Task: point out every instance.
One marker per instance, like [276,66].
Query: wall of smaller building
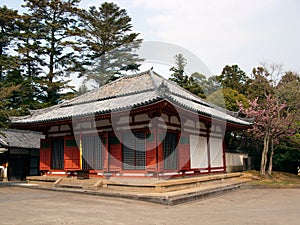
[22,163]
[235,162]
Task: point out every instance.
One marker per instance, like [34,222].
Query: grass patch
[276,180]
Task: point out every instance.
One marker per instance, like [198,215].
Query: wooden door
[71,154]
[45,154]
[115,154]
[184,152]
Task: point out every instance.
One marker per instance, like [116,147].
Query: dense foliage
[106,38]
[269,96]
[53,39]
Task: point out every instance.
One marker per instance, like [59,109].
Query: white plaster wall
[141,118]
[189,123]
[54,128]
[124,120]
[198,152]
[164,117]
[65,127]
[216,152]
[84,125]
[174,120]
[100,123]
[234,161]
[200,125]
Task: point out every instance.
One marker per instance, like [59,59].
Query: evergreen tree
[29,61]
[178,75]
[52,33]
[108,43]
[259,87]
[8,19]
[199,85]
[82,90]
[228,98]
[288,91]
[5,111]
[235,78]
[196,83]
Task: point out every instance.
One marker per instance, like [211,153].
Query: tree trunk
[264,155]
[271,158]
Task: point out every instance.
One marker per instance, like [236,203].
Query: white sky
[219,32]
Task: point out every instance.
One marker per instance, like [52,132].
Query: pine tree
[8,18]
[109,44]
[178,75]
[235,78]
[5,111]
[50,46]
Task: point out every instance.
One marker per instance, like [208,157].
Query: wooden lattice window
[58,153]
[92,150]
[170,152]
[134,157]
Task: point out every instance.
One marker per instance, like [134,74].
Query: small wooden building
[137,126]
[20,150]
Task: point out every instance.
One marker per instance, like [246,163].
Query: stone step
[160,186]
[81,184]
[42,180]
[138,185]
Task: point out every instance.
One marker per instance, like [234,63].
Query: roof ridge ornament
[163,90]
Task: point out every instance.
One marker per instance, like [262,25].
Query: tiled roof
[20,139]
[126,93]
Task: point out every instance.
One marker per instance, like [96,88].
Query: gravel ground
[243,206]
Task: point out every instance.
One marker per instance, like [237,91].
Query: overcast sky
[219,32]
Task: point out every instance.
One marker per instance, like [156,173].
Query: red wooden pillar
[151,151]
[115,154]
[224,154]
[105,155]
[208,126]
[45,155]
[160,150]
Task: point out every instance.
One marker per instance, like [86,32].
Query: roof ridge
[180,104]
[69,102]
[135,75]
[193,100]
[108,97]
[21,139]
[125,77]
[133,90]
[200,101]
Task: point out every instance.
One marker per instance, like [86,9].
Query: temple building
[19,153]
[137,126]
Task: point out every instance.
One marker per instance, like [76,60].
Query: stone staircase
[87,184]
[161,186]
[142,185]
[167,192]
[42,180]
[65,182]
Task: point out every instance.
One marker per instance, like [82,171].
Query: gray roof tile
[20,139]
[125,93]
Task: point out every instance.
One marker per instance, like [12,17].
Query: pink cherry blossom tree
[271,123]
